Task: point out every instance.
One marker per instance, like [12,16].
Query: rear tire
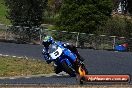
[84,68]
[68,69]
[81,81]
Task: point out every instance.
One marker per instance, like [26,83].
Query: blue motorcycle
[63,58]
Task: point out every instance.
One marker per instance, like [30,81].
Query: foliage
[118,26]
[129,6]
[25,13]
[3,13]
[52,11]
[50,18]
[54,5]
[83,15]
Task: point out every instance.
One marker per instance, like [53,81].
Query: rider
[49,40]
[46,42]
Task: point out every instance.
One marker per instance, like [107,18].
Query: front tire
[57,69]
[68,69]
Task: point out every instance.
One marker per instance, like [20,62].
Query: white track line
[40,75]
[13,56]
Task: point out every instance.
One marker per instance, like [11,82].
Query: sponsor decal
[107,78]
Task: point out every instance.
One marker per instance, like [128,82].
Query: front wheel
[57,69]
[68,69]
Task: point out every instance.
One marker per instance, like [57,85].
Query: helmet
[47,41]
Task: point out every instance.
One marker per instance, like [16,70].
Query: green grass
[10,66]
[3,13]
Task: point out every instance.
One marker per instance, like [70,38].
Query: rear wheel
[68,69]
[81,69]
[85,69]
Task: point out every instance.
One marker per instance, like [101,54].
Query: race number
[56,54]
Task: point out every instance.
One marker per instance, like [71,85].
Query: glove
[48,61]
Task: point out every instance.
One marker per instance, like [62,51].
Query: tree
[83,15]
[129,6]
[52,10]
[118,26]
[25,13]
[54,5]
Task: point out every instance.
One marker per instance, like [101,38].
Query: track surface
[97,62]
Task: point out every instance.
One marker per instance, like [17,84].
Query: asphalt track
[97,62]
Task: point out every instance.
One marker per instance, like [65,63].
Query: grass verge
[10,66]
[3,13]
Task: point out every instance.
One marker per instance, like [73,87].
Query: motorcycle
[61,57]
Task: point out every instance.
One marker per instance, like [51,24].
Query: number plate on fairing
[56,54]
